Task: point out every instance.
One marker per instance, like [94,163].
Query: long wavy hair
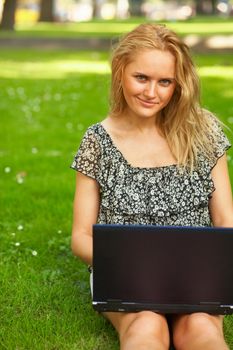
[183,123]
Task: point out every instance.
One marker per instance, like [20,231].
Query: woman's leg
[143,330]
[198,331]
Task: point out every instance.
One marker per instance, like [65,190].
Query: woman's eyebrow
[146,75]
[140,73]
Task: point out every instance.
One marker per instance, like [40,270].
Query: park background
[54,69]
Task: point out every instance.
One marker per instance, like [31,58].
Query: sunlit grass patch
[47,65]
[111,28]
[216,71]
[53,70]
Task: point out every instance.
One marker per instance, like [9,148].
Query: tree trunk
[135,7]
[8,15]
[96,6]
[199,7]
[46,11]
[206,7]
[214,5]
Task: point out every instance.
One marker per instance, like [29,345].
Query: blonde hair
[182,122]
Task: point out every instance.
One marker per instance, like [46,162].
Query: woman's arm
[221,205]
[86,208]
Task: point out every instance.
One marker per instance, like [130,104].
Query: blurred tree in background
[46,11]
[8,15]
[135,7]
[96,8]
[207,6]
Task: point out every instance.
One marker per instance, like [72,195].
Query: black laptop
[164,269]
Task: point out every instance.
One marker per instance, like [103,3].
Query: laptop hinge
[112,301]
[210,303]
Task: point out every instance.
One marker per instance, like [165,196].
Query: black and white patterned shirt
[152,196]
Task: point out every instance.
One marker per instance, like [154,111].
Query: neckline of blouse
[162,167]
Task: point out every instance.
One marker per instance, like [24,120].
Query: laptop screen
[163,265]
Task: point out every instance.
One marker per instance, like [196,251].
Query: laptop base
[114,306]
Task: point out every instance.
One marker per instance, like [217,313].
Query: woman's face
[148,82]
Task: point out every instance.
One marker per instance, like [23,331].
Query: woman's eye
[165,82]
[141,77]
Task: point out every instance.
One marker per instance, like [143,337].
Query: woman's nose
[150,89]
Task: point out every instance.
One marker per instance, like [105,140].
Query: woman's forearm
[82,247]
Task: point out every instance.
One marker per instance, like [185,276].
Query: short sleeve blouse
[156,196]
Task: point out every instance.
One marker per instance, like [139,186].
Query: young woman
[159,159]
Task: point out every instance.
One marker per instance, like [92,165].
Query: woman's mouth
[147,103]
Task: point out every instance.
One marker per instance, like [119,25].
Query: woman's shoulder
[214,127]
[215,132]
[93,131]
[210,117]
[96,134]
[104,129]
[98,126]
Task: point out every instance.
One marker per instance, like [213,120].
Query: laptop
[170,269]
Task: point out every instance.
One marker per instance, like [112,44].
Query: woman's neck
[130,123]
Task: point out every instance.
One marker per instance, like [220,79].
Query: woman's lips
[146,102]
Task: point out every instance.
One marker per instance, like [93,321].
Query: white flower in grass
[59,232]
[17,244]
[34,150]
[7,169]
[34,253]
[20,180]
[20,177]
[20,227]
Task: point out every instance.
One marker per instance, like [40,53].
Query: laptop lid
[164,269]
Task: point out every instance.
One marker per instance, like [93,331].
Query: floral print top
[153,196]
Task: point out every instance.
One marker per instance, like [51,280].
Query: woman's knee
[197,325]
[146,324]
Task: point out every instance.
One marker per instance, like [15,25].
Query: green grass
[103,28]
[47,101]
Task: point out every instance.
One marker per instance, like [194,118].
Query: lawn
[47,101]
